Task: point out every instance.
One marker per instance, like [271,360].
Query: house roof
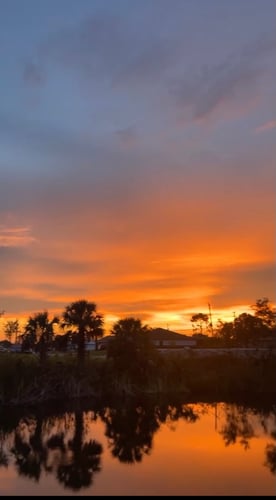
[106,338]
[5,343]
[163,334]
[156,334]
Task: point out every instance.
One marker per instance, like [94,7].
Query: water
[140,448]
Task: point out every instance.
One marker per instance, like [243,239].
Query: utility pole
[210,319]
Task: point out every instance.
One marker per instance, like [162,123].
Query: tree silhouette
[248,329]
[97,331]
[61,342]
[245,330]
[225,332]
[39,333]
[200,319]
[132,351]
[264,311]
[128,328]
[11,328]
[82,319]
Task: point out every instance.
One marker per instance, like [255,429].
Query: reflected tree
[28,449]
[75,463]
[237,426]
[83,459]
[130,431]
[270,461]
[62,447]
[270,451]
[4,460]
[171,413]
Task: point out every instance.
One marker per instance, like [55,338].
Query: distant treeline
[81,322]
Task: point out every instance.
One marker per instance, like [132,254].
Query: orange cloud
[160,253]
[15,236]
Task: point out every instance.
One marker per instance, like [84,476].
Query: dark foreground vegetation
[132,364]
[24,380]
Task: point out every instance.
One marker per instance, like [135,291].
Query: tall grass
[24,380]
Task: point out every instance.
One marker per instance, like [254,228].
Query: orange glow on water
[186,458]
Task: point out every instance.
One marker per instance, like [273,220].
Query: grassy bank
[24,380]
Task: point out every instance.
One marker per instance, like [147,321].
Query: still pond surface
[140,448]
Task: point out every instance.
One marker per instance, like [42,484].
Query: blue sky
[137,159]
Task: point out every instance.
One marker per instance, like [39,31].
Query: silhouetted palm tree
[132,351]
[81,318]
[97,330]
[128,327]
[11,328]
[39,332]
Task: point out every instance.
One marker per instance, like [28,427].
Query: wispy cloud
[266,126]
[126,54]
[106,45]
[232,85]
[15,236]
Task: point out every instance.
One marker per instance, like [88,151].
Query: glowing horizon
[179,321]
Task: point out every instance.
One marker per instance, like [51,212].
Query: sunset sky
[137,157]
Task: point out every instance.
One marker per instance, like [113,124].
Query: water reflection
[79,460]
[62,445]
[270,461]
[237,426]
[130,429]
